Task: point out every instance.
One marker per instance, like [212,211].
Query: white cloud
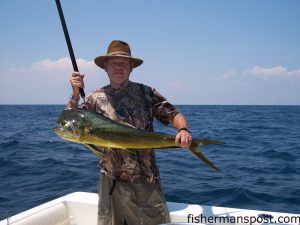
[272,71]
[294,73]
[50,65]
[59,65]
[229,74]
[259,85]
[257,70]
[46,81]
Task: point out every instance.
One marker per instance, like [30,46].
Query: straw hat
[120,49]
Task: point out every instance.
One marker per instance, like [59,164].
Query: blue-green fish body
[91,128]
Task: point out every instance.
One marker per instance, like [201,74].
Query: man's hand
[77,83]
[183,139]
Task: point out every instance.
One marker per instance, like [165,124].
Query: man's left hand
[183,139]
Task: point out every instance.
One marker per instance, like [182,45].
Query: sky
[204,52]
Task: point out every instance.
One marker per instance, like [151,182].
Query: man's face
[118,70]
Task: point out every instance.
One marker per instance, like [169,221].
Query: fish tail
[194,149]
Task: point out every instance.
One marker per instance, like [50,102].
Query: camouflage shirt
[135,105]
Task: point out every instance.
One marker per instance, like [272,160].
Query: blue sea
[260,159]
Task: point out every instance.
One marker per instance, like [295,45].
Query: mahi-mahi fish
[93,129]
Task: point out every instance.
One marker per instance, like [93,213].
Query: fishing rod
[68,40]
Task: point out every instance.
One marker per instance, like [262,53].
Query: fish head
[72,123]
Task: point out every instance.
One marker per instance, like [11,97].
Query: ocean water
[260,159]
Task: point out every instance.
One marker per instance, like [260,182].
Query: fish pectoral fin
[94,149]
[194,149]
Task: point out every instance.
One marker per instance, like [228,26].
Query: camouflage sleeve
[90,102]
[162,109]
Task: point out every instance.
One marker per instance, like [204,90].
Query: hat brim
[100,60]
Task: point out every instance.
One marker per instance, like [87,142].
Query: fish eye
[66,124]
[69,126]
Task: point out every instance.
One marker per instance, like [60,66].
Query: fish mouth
[66,134]
[58,130]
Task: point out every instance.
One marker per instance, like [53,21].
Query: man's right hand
[77,83]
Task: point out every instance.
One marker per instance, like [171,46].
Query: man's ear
[132,64]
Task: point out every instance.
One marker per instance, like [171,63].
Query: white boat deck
[80,208]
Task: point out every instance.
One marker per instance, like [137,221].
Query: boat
[80,208]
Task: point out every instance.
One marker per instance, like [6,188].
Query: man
[130,190]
